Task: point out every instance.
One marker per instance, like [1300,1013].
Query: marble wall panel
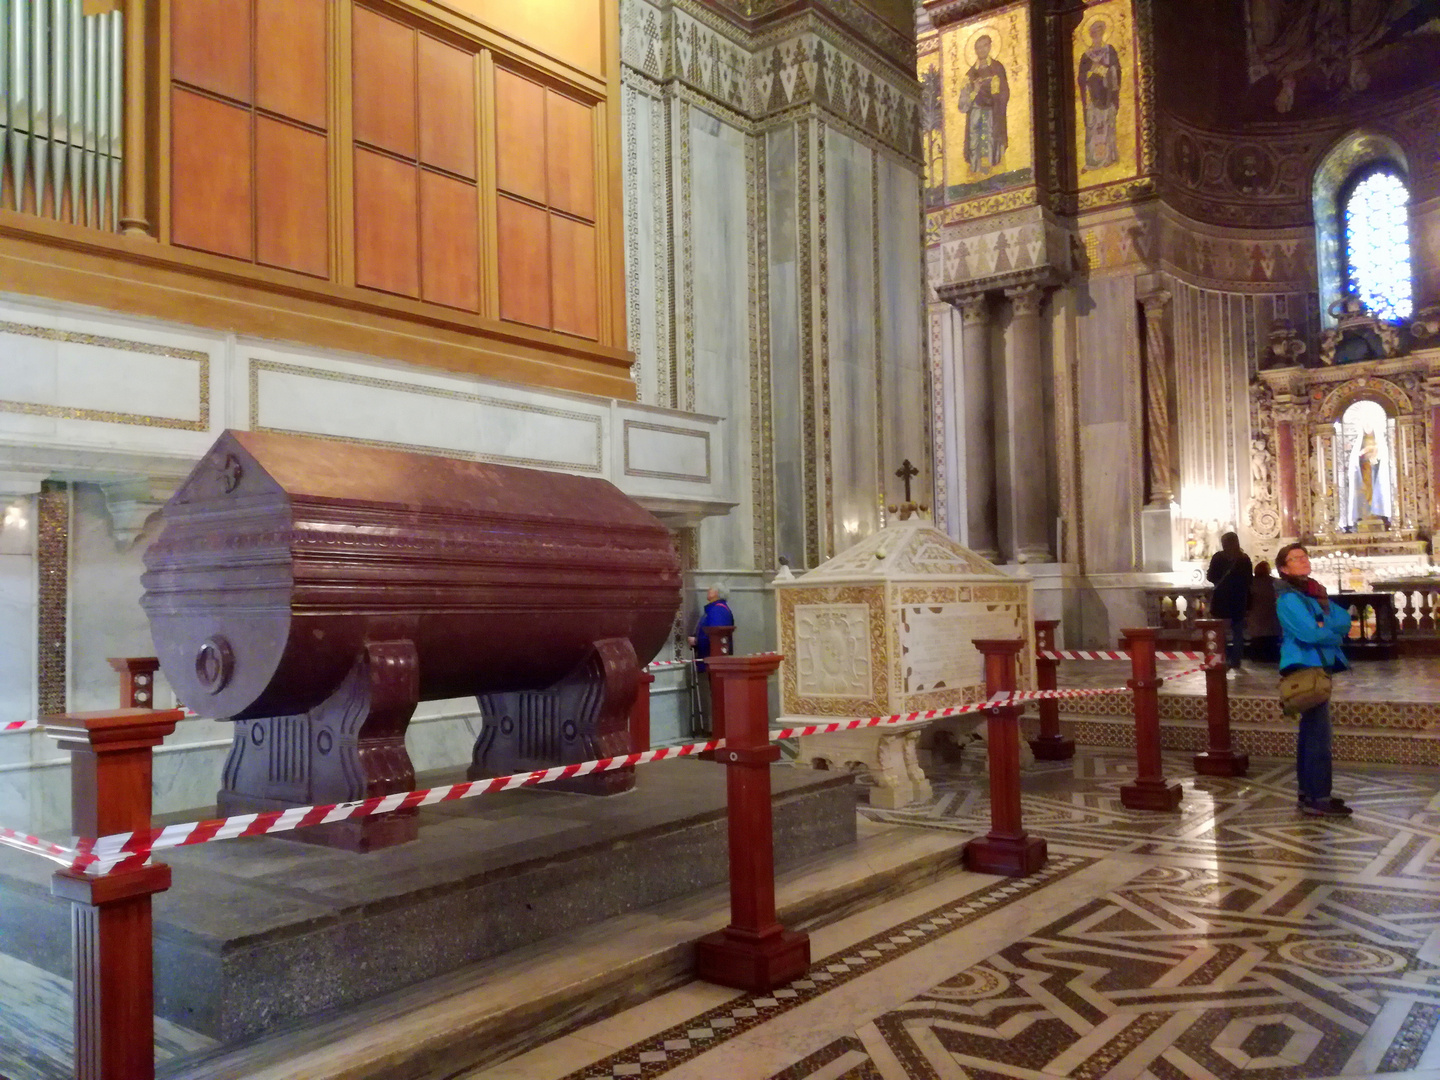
[903,362]
[644,270]
[786,369]
[105,615]
[1111,456]
[720,299]
[856,485]
[412,415]
[17,610]
[1425,253]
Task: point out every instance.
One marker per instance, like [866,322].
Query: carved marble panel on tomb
[886,626]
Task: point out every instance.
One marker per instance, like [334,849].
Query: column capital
[1027,298]
[1155,302]
[974,308]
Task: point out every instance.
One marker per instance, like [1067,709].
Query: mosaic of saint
[986,92]
[1105,82]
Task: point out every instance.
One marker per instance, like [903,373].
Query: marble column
[1157,396]
[1031,519]
[979,404]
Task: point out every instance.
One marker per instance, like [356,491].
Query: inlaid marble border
[628,426]
[105,416]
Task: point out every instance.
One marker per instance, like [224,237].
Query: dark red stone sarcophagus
[314,591]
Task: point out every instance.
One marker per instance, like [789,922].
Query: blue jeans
[1235,647]
[1312,753]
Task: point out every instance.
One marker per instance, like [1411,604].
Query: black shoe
[1324,808]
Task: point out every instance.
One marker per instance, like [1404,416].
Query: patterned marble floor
[1232,939]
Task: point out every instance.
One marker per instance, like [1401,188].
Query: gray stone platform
[261,931]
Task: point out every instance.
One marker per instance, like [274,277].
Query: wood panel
[570,155]
[572,260]
[449,241]
[210,170]
[447,107]
[210,45]
[290,59]
[384,78]
[570,30]
[519,135]
[291,198]
[386,254]
[524,262]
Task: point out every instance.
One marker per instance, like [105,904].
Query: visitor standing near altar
[1230,572]
[1312,636]
[1262,625]
[717,613]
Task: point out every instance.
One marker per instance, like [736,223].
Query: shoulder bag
[1303,689]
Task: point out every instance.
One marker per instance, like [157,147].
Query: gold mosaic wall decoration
[1106,78]
[989,118]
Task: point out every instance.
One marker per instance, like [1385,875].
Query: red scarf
[1311,588]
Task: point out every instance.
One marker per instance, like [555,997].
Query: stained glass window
[1377,243]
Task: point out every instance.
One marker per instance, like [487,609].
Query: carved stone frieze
[1004,251]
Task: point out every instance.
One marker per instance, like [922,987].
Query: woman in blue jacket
[1312,631]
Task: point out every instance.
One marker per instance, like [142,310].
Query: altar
[1344,457]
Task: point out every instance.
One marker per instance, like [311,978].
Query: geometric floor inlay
[1259,942]
[1184,972]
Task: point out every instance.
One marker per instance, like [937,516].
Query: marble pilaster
[1030,517]
[979,405]
[1157,392]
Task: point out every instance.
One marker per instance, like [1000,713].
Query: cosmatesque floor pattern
[1234,938]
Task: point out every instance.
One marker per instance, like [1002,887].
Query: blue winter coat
[1304,642]
[716,613]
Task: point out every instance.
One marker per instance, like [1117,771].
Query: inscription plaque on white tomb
[936,643]
[832,645]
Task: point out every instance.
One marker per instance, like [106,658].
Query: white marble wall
[903,362]
[787,377]
[719,317]
[852,325]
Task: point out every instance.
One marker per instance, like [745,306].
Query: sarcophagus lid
[282,556]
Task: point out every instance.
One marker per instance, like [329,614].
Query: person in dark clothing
[1262,625]
[1230,572]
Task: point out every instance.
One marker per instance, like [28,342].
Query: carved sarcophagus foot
[582,717]
[314,592]
[351,746]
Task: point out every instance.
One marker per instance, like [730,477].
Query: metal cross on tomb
[906,472]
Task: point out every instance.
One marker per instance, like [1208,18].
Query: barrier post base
[1151,795]
[731,957]
[1007,855]
[1052,748]
[1222,763]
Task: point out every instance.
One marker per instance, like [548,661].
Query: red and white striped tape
[661,665]
[1082,654]
[34,845]
[19,725]
[104,854]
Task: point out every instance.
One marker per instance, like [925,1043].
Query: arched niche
[1350,154]
[1390,397]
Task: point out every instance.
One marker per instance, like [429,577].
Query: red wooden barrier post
[1150,791]
[640,715]
[137,680]
[1049,745]
[1219,759]
[110,915]
[754,952]
[721,644]
[1006,849]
